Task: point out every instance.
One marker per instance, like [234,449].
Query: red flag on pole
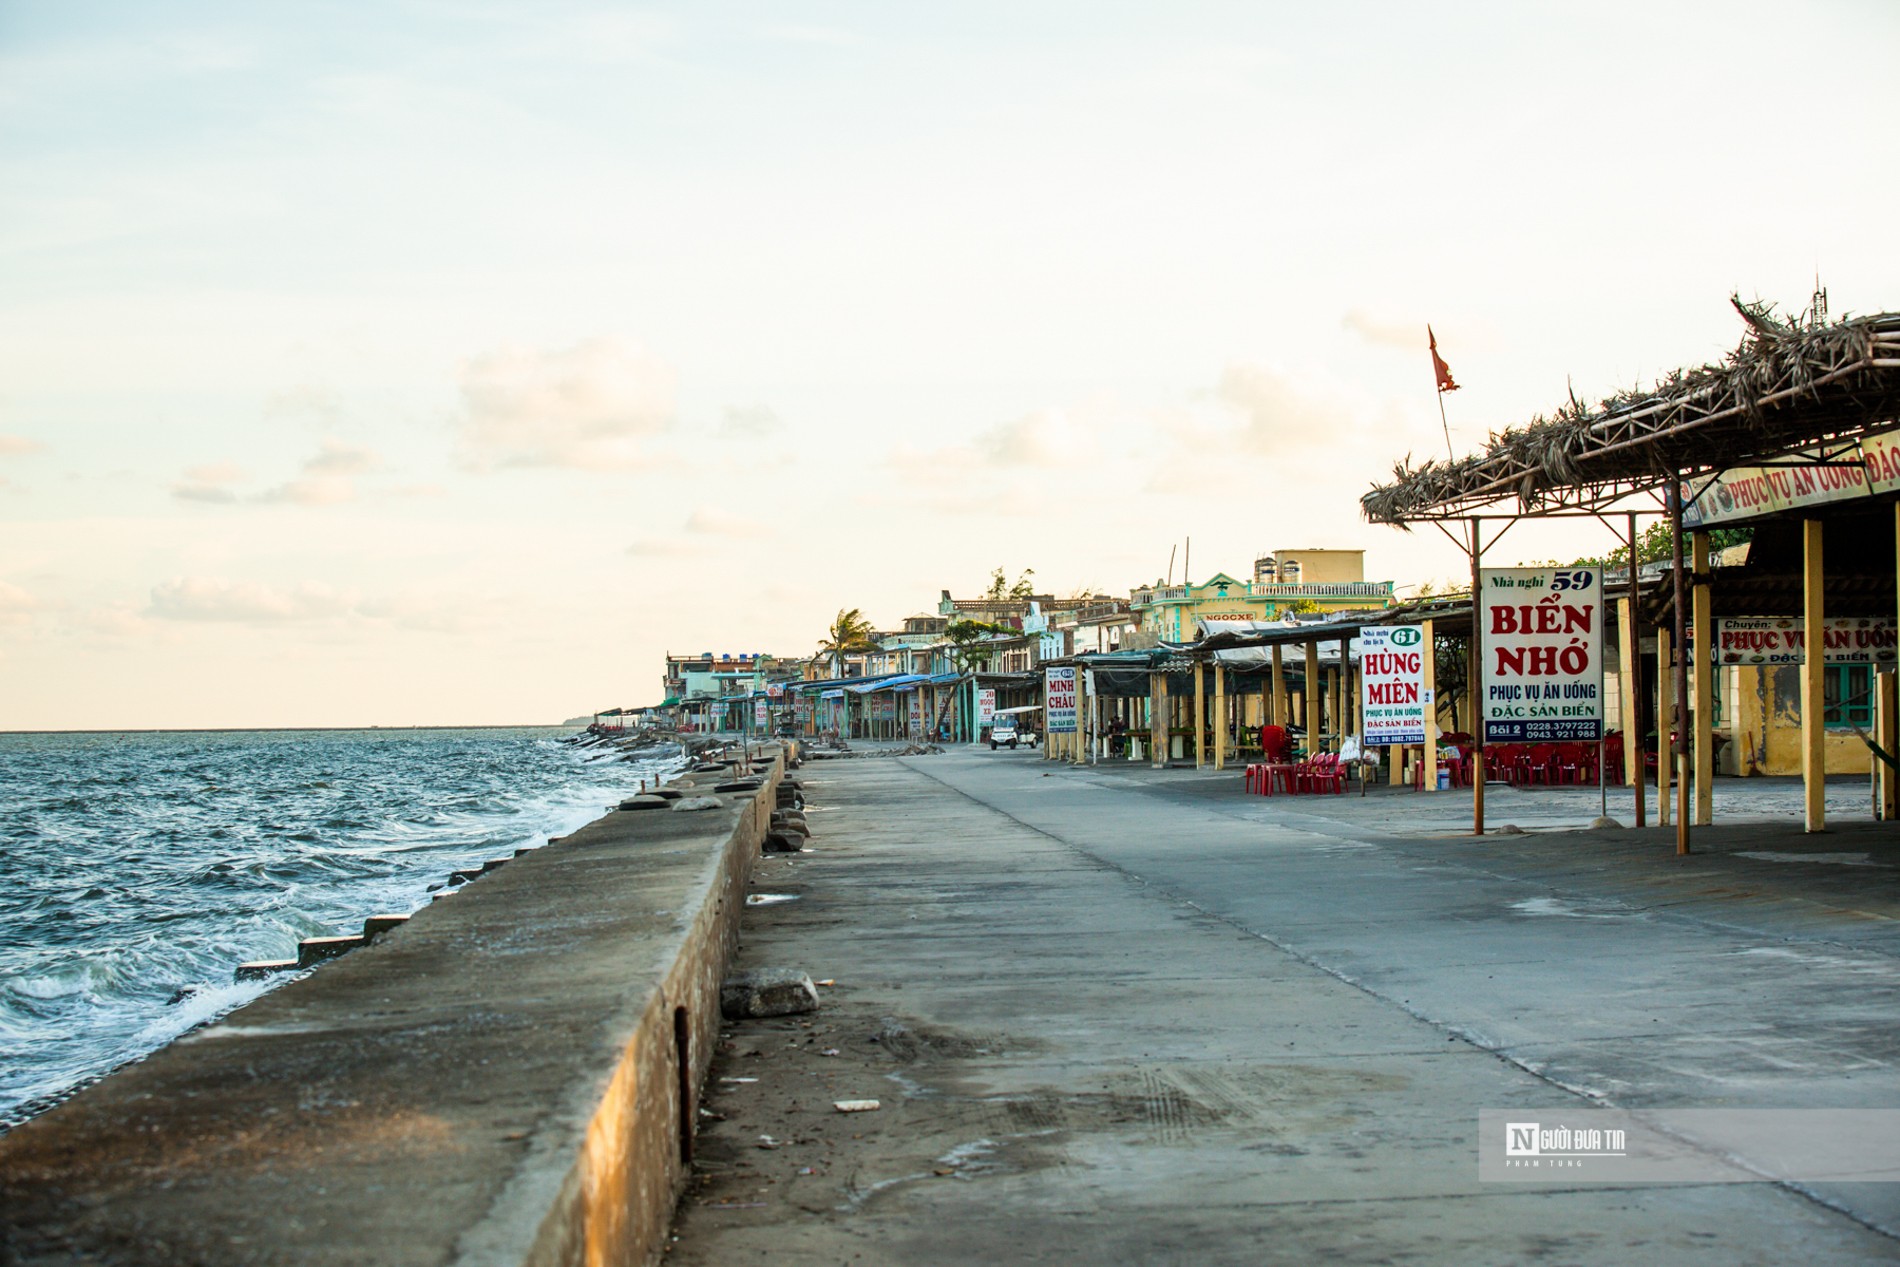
[1445,383]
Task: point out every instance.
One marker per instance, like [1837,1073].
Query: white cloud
[16,446]
[710,521]
[215,473]
[338,458]
[198,598]
[209,482]
[305,403]
[16,604]
[664,548]
[209,493]
[1277,414]
[1039,440]
[312,490]
[1407,335]
[749,421]
[586,407]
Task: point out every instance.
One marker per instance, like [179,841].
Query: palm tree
[849,632]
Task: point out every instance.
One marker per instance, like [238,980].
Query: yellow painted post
[1158,717]
[1665,713]
[1702,647]
[1313,689]
[1220,716]
[1632,707]
[1200,714]
[1813,679]
[1887,731]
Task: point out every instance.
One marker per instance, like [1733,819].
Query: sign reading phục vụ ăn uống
[1542,645]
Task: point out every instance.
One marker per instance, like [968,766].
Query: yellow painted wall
[1765,721]
[1325,566]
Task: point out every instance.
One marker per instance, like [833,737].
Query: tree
[1000,588]
[849,632]
[1656,542]
[967,639]
[1298,607]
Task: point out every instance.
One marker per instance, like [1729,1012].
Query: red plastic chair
[1537,763]
[1322,773]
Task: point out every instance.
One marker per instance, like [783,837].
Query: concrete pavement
[1132,1016]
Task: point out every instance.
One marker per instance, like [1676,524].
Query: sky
[438,363]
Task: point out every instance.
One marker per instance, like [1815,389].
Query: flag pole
[1449,455]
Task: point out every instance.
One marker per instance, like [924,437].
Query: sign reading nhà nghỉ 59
[1392,697]
[1059,698]
[1542,678]
[1783,640]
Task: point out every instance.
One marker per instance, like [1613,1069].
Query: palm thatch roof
[1789,385]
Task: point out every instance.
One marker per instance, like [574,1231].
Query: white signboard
[761,719]
[1783,640]
[1392,697]
[986,706]
[1543,654]
[1744,492]
[1059,699]
[916,713]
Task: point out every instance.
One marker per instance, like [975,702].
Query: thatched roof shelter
[1790,385]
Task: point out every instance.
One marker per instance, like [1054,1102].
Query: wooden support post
[1340,724]
[1633,679]
[1665,714]
[1200,714]
[1276,704]
[1158,717]
[1887,735]
[1813,679]
[1703,648]
[1220,716]
[1475,682]
[1312,692]
[1679,716]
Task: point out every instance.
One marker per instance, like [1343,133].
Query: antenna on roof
[1817,307]
[1171,550]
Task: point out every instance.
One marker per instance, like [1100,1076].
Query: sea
[138,870]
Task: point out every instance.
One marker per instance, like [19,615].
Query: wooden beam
[1200,714]
[1813,680]
[1275,705]
[1158,718]
[1665,717]
[1313,689]
[1220,717]
[1702,646]
[1887,734]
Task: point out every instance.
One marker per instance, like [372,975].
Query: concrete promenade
[1116,1015]
[502,1080]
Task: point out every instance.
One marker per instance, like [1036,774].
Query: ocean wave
[141,869]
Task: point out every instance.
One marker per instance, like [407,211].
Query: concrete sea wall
[507,1078]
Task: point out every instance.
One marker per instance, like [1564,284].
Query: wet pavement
[1122,1015]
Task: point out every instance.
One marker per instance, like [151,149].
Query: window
[1847,690]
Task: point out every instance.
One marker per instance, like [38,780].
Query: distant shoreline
[277,730]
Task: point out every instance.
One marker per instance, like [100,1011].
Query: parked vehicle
[1003,731]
